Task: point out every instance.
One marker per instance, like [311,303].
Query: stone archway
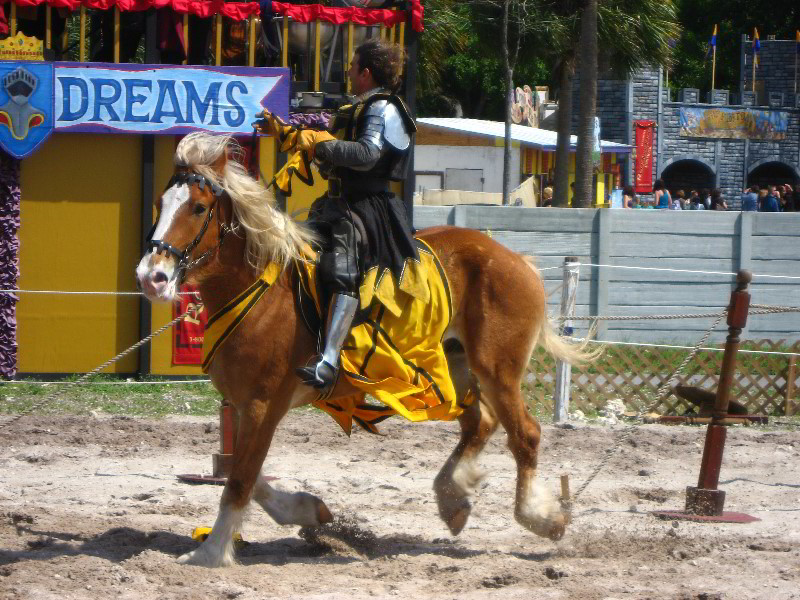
[687,172]
[772,171]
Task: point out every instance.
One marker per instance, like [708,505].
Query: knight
[364,225]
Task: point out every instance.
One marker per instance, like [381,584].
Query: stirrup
[320,376]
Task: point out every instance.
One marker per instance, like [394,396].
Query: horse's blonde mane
[270,235]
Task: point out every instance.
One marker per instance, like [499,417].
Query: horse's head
[192,222]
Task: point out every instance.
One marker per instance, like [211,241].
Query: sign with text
[39,98]
[735,123]
[165,99]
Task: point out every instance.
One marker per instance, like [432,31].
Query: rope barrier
[165,382]
[37,405]
[662,393]
[84,293]
[709,348]
[666,269]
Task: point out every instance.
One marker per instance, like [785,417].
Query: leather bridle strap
[159,246]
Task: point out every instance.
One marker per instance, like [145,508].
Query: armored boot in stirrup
[322,374]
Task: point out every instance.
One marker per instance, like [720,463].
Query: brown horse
[218,227]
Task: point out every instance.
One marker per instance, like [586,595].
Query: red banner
[643,169]
[238,11]
[187,335]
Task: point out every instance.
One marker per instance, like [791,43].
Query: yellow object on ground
[199,534]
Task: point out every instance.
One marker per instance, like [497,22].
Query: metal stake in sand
[705,502]
[569,292]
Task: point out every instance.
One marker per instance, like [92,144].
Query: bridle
[184,257]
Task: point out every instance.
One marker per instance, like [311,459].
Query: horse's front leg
[257,423]
[298,508]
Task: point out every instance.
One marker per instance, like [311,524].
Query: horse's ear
[219,164]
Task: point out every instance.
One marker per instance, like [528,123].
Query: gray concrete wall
[767,244]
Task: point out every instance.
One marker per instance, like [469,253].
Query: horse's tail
[562,349]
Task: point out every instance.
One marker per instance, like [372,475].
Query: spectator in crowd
[762,196]
[629,199]
[750,199]
[660,194]
[796,194]
[705,196]
[547,196]
[786,198]
[695,203]
[679,201]
[717,200]
[770,201]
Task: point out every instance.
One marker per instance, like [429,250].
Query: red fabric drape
[241,10]
[643,176]
[303,13]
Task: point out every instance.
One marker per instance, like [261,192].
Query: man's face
[360,80]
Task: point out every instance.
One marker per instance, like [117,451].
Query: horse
[218,228]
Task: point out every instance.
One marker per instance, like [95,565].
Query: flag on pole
[712,43]
[756,47]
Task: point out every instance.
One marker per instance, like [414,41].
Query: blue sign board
[133,99]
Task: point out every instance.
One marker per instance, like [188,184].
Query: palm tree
[632,34]
[588,101]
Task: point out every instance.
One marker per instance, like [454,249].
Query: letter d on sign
[67,83]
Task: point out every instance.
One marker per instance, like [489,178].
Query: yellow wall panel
[80,215]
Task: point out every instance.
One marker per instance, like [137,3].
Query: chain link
[193,308]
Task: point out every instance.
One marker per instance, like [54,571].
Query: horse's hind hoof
[459,519]
[323,513]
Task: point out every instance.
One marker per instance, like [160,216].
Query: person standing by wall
[717,200]
[750,199]
[770,201]
[660,195]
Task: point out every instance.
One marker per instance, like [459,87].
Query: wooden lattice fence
[764,383]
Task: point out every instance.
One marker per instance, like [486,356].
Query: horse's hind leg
[460,474]
[535,507]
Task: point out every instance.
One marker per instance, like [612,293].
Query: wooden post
[569,291]
[251,45]
[82,35]
[706,499]
[48,27]
[186,37]
[218,41]
[350,33]
[222,461]
[317,53]
[791,375]
[13,19]
[116,33]
[285,43]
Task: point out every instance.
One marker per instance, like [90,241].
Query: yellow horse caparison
[498,318]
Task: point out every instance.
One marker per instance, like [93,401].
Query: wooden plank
[544,244]
[648,294]
[775,267]
[431,216]
[681,338]
[683,222]
[671,245]
[774,247]
[690,264]
[776,224]
[516,218]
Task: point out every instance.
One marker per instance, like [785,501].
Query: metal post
[569,292]
[706,499]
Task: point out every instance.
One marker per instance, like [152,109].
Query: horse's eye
[199,209]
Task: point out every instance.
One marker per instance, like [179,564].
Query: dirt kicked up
[90,508]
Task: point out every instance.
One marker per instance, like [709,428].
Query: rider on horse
[363,224]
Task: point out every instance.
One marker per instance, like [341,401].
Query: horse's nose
[153,283]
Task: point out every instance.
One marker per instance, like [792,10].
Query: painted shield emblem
[26,106]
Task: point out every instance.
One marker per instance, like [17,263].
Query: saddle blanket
[398,359]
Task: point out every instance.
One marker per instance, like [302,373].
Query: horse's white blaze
[171,202]
[217,550]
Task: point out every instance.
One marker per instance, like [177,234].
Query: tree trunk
[509,83]
[584,167]
[561,183]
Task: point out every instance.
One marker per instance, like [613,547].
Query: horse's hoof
[557,532]
[323,514]
[459,519]
[201,558]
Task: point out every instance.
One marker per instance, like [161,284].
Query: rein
[184,257]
